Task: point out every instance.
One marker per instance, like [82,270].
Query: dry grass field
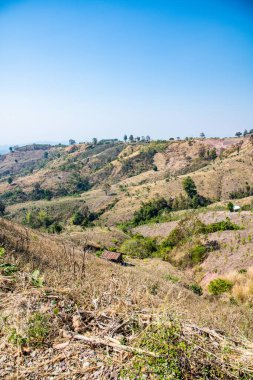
[86,316]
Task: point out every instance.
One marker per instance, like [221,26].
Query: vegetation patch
[219,286]
[139,247]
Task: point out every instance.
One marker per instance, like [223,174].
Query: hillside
[188,279]
[78,316]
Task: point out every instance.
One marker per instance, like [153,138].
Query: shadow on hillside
[127,264]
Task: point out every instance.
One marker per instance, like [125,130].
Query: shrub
[230,206]
[241,193]
[139,247]
[198,254]
[83,217]
[151,210]
[196,289]
[38,329]
[219,286]
[224,225]
[185,229]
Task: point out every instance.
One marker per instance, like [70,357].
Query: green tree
[189,187]
[125,138]
[10,180]
[131,138]
[71,142]
[94,141]
[213,154]
[238,134]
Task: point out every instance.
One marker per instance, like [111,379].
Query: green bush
[38,329]
[196,289]
[198,254]
[186,228]
[230,206]
[139,247]
[219,286]
[150,210]
[224,225]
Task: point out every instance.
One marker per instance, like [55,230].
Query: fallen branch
[103,342]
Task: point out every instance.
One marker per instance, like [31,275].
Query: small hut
[115,257]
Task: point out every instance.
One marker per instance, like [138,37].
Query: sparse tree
[11,149]
[178,138]
[71,142]
[142,138]
[148,138]
[238,134]
[251,139]
[138,138]
[46,155]
[245,132]
[94,141]
[202,135]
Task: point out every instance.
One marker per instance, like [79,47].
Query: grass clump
[219,286]
[172,278]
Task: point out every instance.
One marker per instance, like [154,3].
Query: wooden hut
[115,257]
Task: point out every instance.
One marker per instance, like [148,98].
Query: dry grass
[243,285]
[101,299]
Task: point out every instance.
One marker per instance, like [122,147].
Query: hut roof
[108,255]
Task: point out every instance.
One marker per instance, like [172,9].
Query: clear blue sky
[82,69]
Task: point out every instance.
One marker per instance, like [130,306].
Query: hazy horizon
[100,69]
